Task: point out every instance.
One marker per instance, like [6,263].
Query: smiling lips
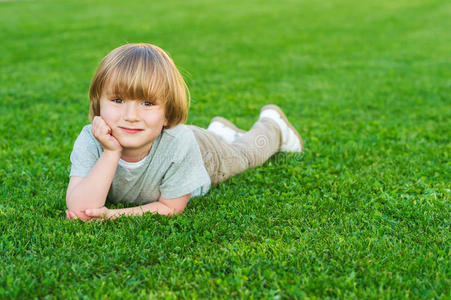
[131,130]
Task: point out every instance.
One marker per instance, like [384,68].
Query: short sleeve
[85,153]
[186,172]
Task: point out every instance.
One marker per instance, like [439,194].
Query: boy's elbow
[173,211]
[177,205]
[72,205]
[179,211]
[77,206]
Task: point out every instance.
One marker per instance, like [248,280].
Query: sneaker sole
[227,123]
[284,117]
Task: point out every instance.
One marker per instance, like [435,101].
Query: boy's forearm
[154,207]
[92,191]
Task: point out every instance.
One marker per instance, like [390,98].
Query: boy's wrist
[116,154]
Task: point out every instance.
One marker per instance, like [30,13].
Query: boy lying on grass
[138,151]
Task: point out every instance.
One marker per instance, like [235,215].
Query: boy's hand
[101,213]
[71,215]
[103,133]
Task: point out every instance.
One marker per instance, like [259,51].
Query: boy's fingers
[69,215]
[99,127]
[92,212]
[96,213]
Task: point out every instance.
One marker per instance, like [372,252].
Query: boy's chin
[133,146]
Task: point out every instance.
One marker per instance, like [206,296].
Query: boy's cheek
[107,120]
[109,114]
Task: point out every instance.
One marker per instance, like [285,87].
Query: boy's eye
[117,100]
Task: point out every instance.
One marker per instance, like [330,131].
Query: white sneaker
[225,129]
[291,140]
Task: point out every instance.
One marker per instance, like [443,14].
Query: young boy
[137,151]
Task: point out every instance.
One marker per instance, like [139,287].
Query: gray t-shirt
[173,167]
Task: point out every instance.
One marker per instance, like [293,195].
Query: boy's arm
[162,206]
[92,190]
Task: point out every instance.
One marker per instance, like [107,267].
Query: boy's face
[134,123]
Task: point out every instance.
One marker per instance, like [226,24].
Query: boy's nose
[130,111]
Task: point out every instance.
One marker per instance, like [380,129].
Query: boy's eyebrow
[110,94]
[116,91]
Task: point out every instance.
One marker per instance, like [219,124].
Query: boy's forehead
[110,88]
[110,91]
[116,86]
[114,90]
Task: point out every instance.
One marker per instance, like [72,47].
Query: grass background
[365,213]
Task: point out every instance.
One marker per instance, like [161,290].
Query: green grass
[365,213]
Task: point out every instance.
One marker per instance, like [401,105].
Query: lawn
[364,213]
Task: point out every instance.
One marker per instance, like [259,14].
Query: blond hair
[142,72]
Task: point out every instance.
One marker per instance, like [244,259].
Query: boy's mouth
[131,130]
